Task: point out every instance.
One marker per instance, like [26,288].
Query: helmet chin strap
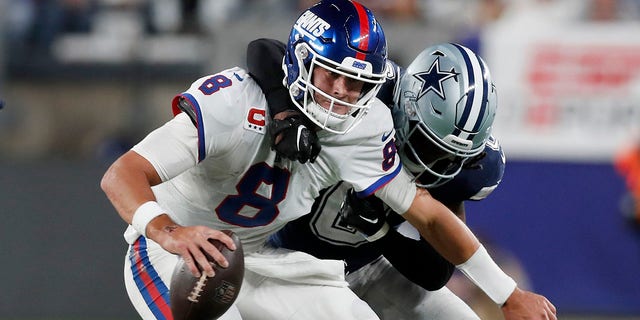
[420,169]
[327,118]
[432,183]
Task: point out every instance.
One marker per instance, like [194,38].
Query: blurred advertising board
[565,92]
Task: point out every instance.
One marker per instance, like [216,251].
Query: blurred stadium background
[82,80]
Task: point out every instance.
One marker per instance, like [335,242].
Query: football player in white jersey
[393,281]
[211,168]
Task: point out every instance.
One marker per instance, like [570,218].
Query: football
[205,297]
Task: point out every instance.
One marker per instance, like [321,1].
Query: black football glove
[367,215]
[295,139]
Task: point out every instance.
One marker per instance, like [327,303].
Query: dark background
[62,243]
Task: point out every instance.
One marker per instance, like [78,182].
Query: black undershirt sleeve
[417,260]
[264,63]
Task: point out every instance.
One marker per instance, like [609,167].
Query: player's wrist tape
[144,214]
[379,234]
[488,276]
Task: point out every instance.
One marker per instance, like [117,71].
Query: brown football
[207,298]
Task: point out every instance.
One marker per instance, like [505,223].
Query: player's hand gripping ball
[205,297]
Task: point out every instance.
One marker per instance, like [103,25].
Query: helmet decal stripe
[485,97]
[476,104]
[364,30]
[471,93]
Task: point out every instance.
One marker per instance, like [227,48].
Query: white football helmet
[445,104]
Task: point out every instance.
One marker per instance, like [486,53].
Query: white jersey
[223,174]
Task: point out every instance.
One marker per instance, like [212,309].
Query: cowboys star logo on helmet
[433,78]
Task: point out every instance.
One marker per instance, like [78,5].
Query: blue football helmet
[445,104]
[344,37]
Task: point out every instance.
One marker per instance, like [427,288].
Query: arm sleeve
[171,149]
[424,266]
[399,192]
[264,63]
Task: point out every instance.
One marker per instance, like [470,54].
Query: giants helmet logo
[311,24]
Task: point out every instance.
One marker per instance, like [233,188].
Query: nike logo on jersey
[386,135]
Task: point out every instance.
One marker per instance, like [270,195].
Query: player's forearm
[441,228]
[127,184]
[453,240]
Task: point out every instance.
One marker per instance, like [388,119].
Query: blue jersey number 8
[266,207]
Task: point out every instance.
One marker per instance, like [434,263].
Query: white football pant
[394,297]
[278,284]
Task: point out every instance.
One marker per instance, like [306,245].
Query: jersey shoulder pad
[476,180]
[223,97]
[221,106]
[365,156]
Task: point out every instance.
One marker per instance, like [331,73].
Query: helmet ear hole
[302,53]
